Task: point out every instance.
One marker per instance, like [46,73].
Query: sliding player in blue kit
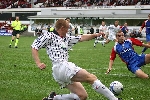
[124,48]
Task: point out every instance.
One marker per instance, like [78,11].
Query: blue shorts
[147,37]
[137,63]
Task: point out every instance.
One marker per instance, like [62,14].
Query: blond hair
[60,23]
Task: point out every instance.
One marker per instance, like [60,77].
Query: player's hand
[41,66]
[101,32]
[108,70]
[98,34]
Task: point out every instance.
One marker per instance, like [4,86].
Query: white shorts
[63,72]
[111,37]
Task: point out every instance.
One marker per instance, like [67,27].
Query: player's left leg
[17,40]
[77,92]
[139,73]
[54,96]
[144,59]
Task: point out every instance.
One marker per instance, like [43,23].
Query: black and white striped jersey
[56,46]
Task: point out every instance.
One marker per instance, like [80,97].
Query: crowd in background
[68,3]
[82,28]
[86,3]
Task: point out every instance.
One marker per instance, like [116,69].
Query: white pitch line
[115,74]
[96,71]
[120,75]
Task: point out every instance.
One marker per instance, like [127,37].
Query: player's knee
[91,78]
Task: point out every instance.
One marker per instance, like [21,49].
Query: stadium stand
[68,3]
[39,4]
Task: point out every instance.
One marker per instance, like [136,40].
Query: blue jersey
[146,24]
[124,29]
[126,51]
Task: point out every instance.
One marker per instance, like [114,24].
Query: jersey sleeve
[42,41]
[73,40]
[136,42]
[143,25]
[113,54]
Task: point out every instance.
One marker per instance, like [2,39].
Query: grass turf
[20,79]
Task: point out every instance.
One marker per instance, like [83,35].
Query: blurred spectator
[92,30]
[38,32]
[125,29]
[70,3]
[137,33]
[76,30]
[81,30]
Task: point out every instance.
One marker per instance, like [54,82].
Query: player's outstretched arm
[110,66]
[141,28]
[112,58]
[36,58]
[86,37]
[146,45]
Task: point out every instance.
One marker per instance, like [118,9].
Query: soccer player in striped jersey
[146,24]
[124,48]
[66,73]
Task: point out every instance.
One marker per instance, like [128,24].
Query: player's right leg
[84,76]
[54,96]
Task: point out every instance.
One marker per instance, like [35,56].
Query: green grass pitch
[20,79]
